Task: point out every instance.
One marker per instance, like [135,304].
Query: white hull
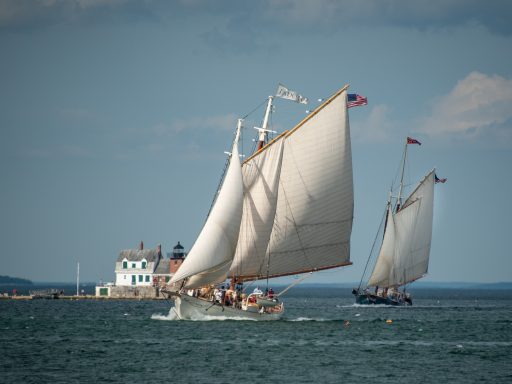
[191,308]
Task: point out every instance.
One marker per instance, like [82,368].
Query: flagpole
[77,276]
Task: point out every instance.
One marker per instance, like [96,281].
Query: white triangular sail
[384,264]
[405,249]
[261,181]
[210,258]
[315,201]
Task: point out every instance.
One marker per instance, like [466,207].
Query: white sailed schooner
[405,248]
[287,210]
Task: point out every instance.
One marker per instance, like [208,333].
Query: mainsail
[307,218]
[210,258]
[405,248]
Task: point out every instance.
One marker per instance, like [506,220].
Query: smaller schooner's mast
[399,197]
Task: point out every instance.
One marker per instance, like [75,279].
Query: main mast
[263,131]
[399,197]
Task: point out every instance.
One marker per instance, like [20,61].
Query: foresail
[405,249]
[384,264]
[315,201]
[414,264]
[210,258]
[261,181]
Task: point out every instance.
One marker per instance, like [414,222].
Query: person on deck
[222,295]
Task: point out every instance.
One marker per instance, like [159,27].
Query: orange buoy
[389,321]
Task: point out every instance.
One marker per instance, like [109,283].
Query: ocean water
[456,336]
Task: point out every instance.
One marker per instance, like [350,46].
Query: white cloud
[479,104]
[55,152]
[376,127]
[216,123]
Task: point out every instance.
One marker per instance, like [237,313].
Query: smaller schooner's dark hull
[366,298]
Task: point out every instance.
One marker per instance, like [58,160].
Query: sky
[115,115]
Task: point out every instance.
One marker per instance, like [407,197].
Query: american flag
[354,100]
[438,180]
[410,140]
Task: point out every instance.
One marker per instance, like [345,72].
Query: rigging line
[294,284]
[226,165]
[373,246]
[255,109]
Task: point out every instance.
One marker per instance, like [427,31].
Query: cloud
[241,17]
[57,152]
[477,106]
[213,123]
[493,14]
[376,127]
[26,15]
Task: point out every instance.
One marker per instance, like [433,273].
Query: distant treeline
[8,280]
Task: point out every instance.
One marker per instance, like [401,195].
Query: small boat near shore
[46,294]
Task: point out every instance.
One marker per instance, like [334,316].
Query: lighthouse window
[125,264]
[143,265]
[133,265]
[140,278]
[167,278]
[147,278]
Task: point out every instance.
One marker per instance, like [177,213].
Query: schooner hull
[191,308]
[370,299]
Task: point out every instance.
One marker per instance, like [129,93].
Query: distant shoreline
[416,285]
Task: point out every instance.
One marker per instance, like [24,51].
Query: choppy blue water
[447,336]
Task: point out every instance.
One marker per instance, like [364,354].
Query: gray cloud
[28,15]
[286,15]
[495,15]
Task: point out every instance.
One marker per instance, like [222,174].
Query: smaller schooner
[405,248]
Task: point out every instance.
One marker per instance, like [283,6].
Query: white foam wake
[172,316]
[308,319]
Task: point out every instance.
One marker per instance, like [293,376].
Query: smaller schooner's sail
[210,258]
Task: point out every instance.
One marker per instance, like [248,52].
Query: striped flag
[410,140]
[354,100]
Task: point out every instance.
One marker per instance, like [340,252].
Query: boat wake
[312,319]
[355,305]
[173,316]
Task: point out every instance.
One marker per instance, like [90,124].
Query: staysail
[210,258]
[315,200]
[261,181]
[405,248]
